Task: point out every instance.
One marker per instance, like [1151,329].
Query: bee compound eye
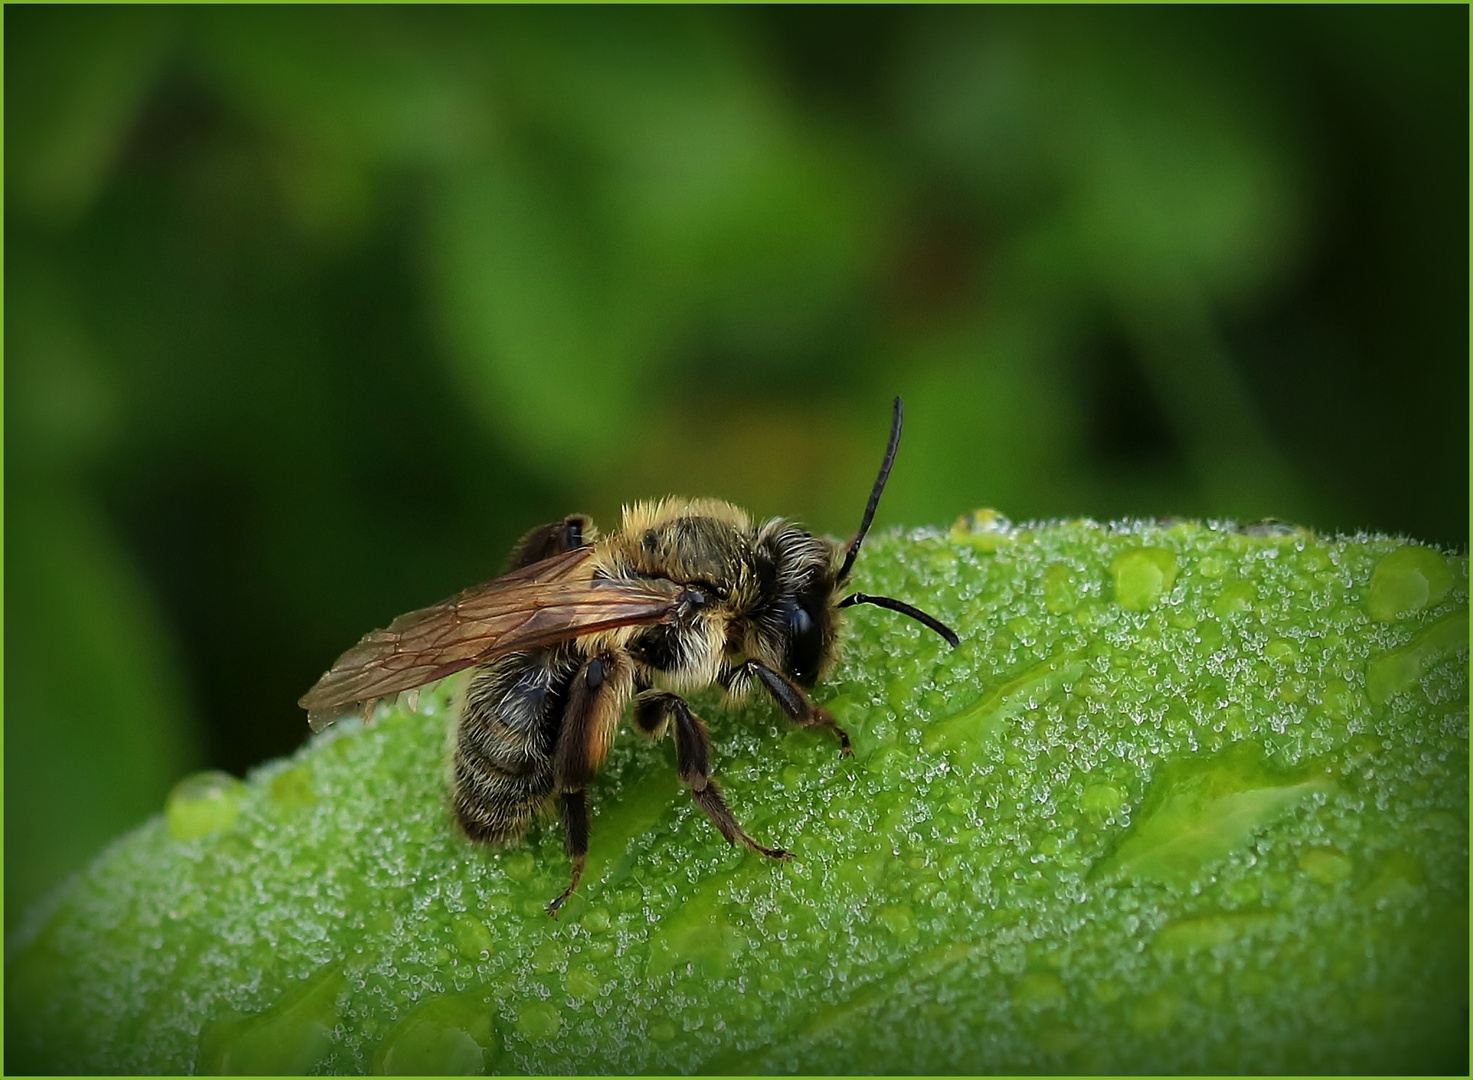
[800,623]
[593,675]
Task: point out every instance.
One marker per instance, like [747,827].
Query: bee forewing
[520,611]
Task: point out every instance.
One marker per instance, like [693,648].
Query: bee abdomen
[494,806]
[503,766]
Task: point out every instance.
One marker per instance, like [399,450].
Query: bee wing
[547,602]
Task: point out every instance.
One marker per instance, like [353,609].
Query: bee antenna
[905,609]
[874,496]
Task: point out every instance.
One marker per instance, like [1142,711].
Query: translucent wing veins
[541,604]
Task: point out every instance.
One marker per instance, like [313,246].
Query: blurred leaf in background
[313,310]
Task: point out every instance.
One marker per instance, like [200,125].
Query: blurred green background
[310,312]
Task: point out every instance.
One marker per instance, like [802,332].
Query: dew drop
[1326,865]
[1408,580]
[292,790]
[1035,992]
[1101,801]
[1142,576]
[1059,595]
[446,1036]
[202,804]
[1185,936]
[582,983]
[1401,669]
[290,1038]
[982,529]
[699,935]
[899,920]
[1400,880]
[539,1021]
[1234,599]
[472,938]
[1155,1014]
[1198,812]
[519,866]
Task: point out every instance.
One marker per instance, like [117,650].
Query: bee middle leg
[653,712]
[795,704]
[596,699]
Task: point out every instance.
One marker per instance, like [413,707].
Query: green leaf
[1173,834]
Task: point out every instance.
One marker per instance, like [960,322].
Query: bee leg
[653,712]
[574,808]
[795,704]
[596,698]
[545,541]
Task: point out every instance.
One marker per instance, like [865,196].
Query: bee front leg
[791,699]
[654,710]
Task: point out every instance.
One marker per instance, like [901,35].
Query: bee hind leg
[573,805]
[656,708]
[596,698]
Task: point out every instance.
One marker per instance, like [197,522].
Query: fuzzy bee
[688,593]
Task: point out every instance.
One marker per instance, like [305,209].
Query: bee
[686,594]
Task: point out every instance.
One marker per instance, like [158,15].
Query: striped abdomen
[504,747]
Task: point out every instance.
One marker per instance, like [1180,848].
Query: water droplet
[1198,812]
[290,1038]
[1212,566]
[1059,595]
[1155,1014]
[982,529]
[1036,992]
[202,804]
[1143,576]
[292,790]
[1408,580]
[976,725]
[539,1021]
[699,935]
[1400,880]
[1234,599]
[582,983]
[1280,652]
[1401,669]
[899,920]
[1209,636]
[1186,936]
[472,938]
[519,866]
[1326,865]
[1337,699]
[1101,802]
[446,1036]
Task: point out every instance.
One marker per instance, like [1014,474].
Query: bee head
[799,625]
